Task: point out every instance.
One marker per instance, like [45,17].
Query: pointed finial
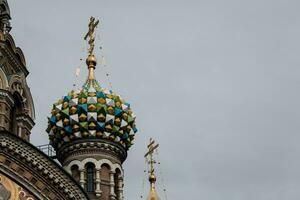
[91,60]
[151,161]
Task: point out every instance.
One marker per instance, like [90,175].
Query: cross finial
[91,34]
[151,161]
[91,60]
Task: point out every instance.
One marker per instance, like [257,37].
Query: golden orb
[91,61]
[152,178]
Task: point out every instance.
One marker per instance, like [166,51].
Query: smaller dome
[153,195]
[91,112]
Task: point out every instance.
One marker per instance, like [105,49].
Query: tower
[16,104]
[4,16]
[91,130]
[152,178]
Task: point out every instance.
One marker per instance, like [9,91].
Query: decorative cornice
[6,94]
[32,159]
[13,53]
[92,145]
[26,119]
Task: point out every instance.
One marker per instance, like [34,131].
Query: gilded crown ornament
[92,111]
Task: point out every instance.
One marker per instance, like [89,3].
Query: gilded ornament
[101,100]
[92,125]
[112,138]
[101,117]
[92,94]
[118,104]
[99,134]
[82,100]
[125,116]
[82,117]
[92,107]
[73,110]
[66,121]
[118,121]
[65,104]
[128,128]
[58,116]
[85,134]
[110,110]
[108,127]
[76,127]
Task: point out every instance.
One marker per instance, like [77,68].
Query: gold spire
[152,178]
[91,60]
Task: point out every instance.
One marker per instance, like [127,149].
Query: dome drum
[84,147]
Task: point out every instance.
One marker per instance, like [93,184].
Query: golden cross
[151,147]
[91,34]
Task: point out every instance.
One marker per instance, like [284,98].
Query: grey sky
[215,82]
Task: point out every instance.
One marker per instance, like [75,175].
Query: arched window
[90,171]
[75,173]
[105,181]
[16,110]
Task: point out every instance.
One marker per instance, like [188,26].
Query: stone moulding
[39,174]
[14,53]
[92,145]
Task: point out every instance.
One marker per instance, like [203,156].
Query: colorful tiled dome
[91,112]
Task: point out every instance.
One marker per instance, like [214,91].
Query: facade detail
[4,16]
[11,190]
[35,171]
[16,104]
[26,173]
[91,130]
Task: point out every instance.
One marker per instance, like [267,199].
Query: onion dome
[91,112]
[152,194]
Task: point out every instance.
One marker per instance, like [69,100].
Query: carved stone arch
[118,167]
[29,102]
[22,111]
[3,80]
[16,50]
[17,83]
[89,160]
[105,161]
[20,56]
[10,41]
[74,162]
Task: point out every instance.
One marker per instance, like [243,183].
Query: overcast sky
[216,83]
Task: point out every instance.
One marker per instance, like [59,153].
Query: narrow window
[90,178]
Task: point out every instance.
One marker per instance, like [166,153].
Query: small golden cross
[149,155]
[91,34]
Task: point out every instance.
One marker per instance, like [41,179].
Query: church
[90,131]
